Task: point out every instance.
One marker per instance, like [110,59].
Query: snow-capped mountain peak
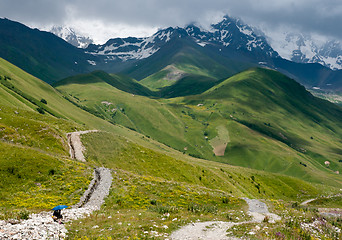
[71,36]
[229,35]
[302,48]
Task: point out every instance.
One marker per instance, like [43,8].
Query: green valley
[257,134]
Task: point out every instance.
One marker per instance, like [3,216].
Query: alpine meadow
[186,134]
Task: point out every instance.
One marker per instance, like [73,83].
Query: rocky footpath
[217,230]
[75,145]
[41,225]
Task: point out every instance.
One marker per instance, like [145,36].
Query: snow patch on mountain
[127,49]
[132,48]
[71,36]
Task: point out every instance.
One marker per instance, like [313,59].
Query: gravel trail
[42,226]
[217,230]
[75,145]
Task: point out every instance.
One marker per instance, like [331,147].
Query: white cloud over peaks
[137,17]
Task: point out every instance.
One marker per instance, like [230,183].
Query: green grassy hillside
[273,105]
[157,188]
[121,82]
[258,119]
[153,190]
[142,114]
[35,169]
[41,53]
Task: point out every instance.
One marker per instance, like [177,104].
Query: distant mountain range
[302,48]
[221,51]
[295,47]
[228,36]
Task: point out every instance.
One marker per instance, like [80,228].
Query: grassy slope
[307,124]
[34,172]
[34,166]
[153,190]
[121,82]
[145,115]
[262,135]
[40,53]
[165,77]
[193,66]
[150,179]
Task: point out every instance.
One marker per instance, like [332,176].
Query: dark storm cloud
[33,11]
[318,16]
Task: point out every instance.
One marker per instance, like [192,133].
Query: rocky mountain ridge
[71,36]
[229,34]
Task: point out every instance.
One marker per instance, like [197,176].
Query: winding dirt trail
[75,144]
[42,226]
[217,230]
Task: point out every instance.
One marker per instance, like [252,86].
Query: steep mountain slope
[182,62]
[40,53]
[29,91]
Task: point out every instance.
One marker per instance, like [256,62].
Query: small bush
[225,200]
[41,110]
[43,101]
[303,164]
[52,172]
[24,214]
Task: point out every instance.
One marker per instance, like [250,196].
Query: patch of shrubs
[197,208]
[41,110]
[302,164]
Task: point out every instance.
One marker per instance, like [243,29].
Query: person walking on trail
[57,216]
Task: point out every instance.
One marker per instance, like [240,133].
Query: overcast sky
[104,19]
